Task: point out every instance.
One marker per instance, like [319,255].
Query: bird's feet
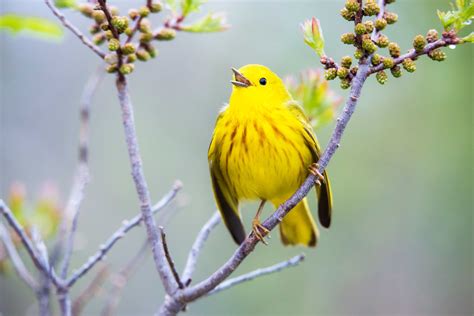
[313,168]
[259,230]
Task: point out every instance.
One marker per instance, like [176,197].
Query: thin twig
[44,290]
[16,260]
[90,291]
[121,278]
[141,184]
[197,247]
[169,259]
[257,273]
[74,29]
[82,171]
[127,226]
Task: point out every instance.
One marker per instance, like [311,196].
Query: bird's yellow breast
[262,154]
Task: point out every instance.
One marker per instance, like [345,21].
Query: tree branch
[16,260]
[197,247]
[125,228]
[141,185]
[257,273]
[74,29]
[169,259]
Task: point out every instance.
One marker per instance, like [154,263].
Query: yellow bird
[262,149]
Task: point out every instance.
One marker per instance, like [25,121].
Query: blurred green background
[401,242]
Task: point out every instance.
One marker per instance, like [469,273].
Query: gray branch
[257,273]
[74,29]
[125,228]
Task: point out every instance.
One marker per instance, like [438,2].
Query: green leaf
[312,91]
[460,16]
[33,25]
[313,35]
[469,38]
[213,22]
[172,5]
[62,4]
[190,6]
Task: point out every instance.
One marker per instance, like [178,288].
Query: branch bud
[145,37]
[394,49]
[156,7]
[114,44]
[98,39]
[120,23]
[342,72]
[143,55]
[381,77]
[346,61]
[131,58]
[114,11]
[360,29]
[348,38]
[98,16]
[352,5]
[419,43]
[126,69]
[86,9]
[371,8]
[108,35]
[380,24]
[369,26]
[111,58]
[369,46]
[390,17]
[396,71]
[432,36]
[345,84]
[144,11]
[437,55]
[128,49]
[111,68]
[354,70]
[165,34]
[347,15]
[330,74]
[388,62]
[133,13]
[376,59]
[409,65]
[358,54]
[94,29]
[383,41]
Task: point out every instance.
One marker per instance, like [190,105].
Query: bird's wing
[324,191]
[226,202]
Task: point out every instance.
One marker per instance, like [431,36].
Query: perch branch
[74,29]
[16,260]
[141,185]
[82,171]
[257,273]
[125,228]
[197,247]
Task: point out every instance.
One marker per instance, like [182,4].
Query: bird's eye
[263,81]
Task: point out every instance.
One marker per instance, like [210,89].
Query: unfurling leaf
[469,38]
[312,91]
[62,4]
[460,16]
[190,6]
[33,25]
[313,35]
[213,22]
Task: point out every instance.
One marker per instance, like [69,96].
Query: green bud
[126,69]
[114,44]
[394,49]
[369,26]
[94,29]
[380,24]
[371,8]
[376,59]
[381,77]
[396,71]
[144,11]
[360,29]
[348,15]
[133,13]
[369,46]
[330,74]
[128,49]
[419,43]
[108,34]
[128,31]
[104,26]
[390,17]
[120,23]
[345,84]
[98,39]
[143,55]
[114,11]
[358,54]
[151,50]
[388,62]
[346,61]
[145,37]
[145,26]
[342,72]
[432,36]
[156,7]
[437,55]
[86,9]
[111,68]
[382,41]
[165,34]
[98,16]
[352,5]
[348,38]
[131,58]
[111,58]
[409,65]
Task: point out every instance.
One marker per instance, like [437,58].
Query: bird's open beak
[240,80]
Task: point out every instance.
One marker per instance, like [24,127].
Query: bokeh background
[401,242]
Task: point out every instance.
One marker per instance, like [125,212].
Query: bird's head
[257,85]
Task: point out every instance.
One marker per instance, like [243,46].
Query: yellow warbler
[261,149]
